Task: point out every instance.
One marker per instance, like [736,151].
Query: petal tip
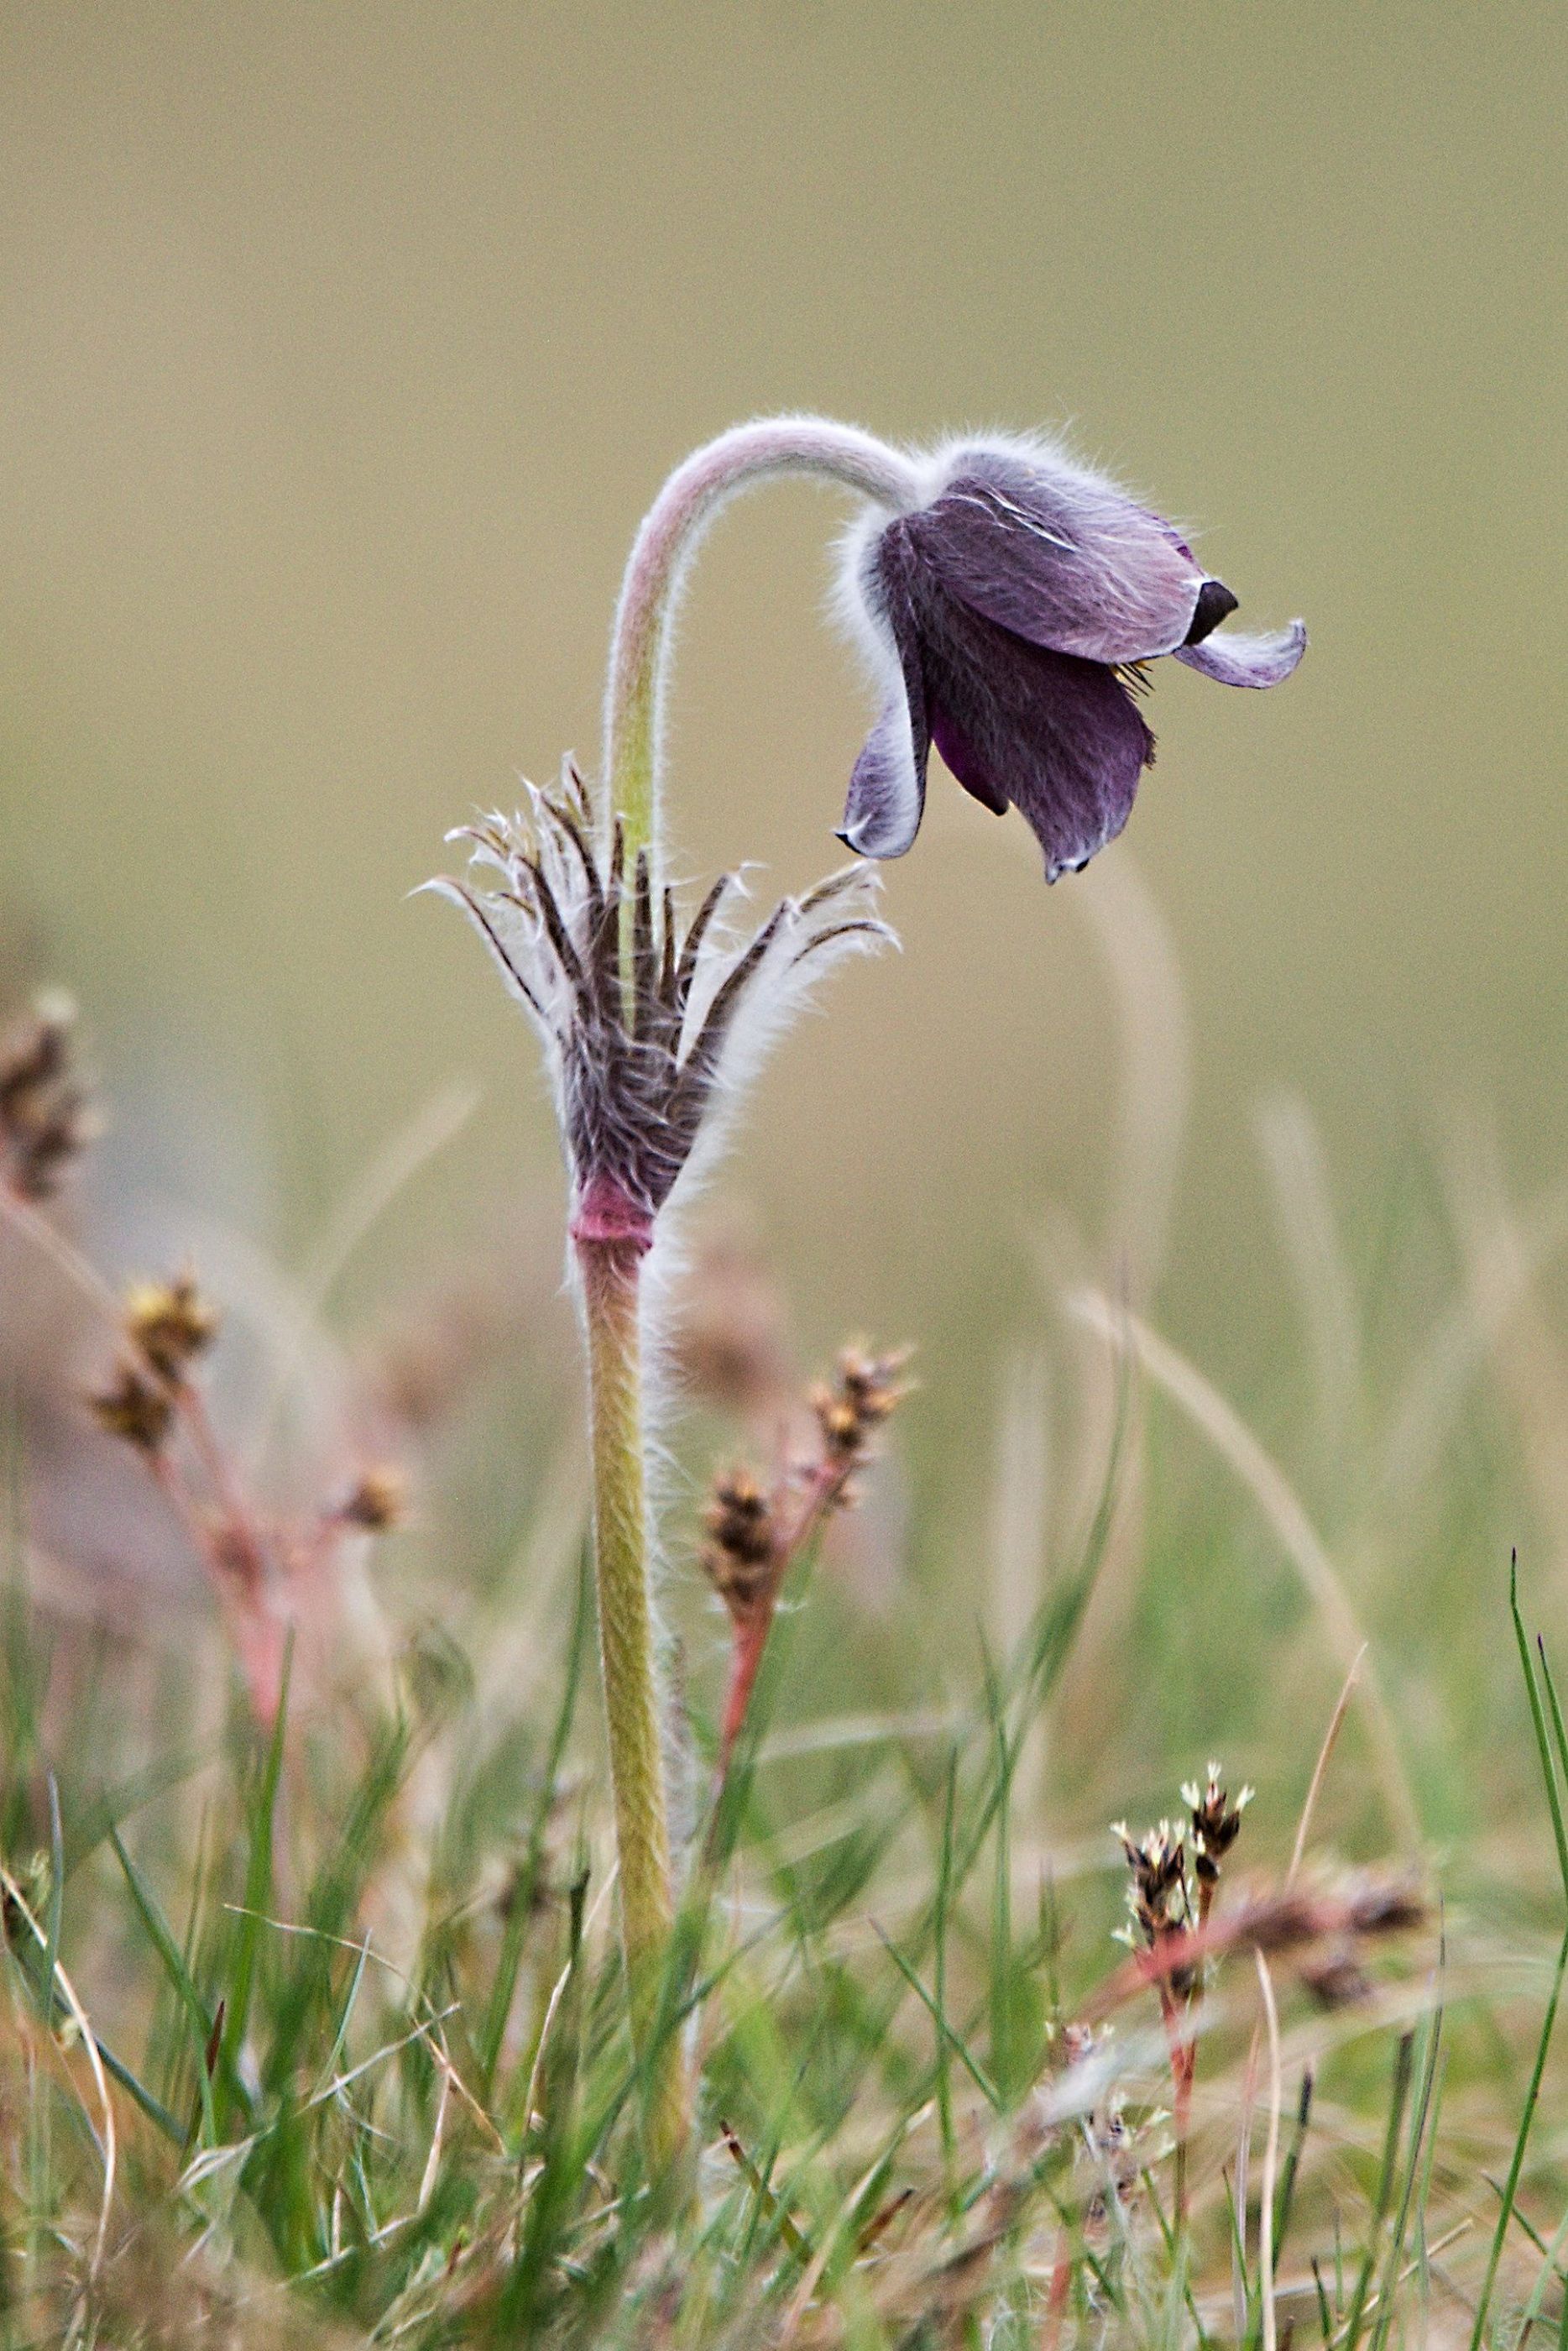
[860,840]
[1231,658]
[887,789]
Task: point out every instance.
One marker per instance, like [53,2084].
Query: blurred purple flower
[1008,614]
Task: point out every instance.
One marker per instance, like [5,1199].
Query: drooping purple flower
[1009,614]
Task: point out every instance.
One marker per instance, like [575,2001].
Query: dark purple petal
[1058,739]
[966,763]
[1058,558]
[1237,660]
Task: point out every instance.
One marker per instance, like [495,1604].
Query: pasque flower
[1009,612]
[1007,598]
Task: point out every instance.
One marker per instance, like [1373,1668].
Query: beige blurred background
[340,349]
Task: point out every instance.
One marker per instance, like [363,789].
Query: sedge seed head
[740,1551]
[378,1501]
[47,1117]
[1215,1821]
[866,1390]
[134,1407]
[171,1321]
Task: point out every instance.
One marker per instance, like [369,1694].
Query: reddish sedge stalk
[239,1516]
[827,1482]
[187,1406]
[259,1637]
[238,1572]
[1184,2050]
[745,1662]
[1183,2054]
[259,1640]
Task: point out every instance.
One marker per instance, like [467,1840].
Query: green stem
[634,705]
[611,1286]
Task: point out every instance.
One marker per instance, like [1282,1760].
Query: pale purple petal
[1234,659]
[1058,557]
[888,787]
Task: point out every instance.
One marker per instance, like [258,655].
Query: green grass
[317,2036]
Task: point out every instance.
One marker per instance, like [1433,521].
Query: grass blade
[1538,1719]
[1412,2169]
[162,1940]
[498,2008]
[970,2064]
[1549,1775]
[57,1897]
[259,1897]
[1350,2334]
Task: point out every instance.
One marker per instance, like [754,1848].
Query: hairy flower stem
[611,1304]
[749,453]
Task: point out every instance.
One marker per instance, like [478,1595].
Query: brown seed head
[1157,1895]
[378,1501]
[47,1116]
[1216,1822]
[739,1556]
[133,1408]
[866,1390]
[171,1321]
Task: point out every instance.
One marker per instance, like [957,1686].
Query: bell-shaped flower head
[1008,614]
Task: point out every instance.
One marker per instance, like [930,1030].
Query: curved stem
[612,1309]
[688,503]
